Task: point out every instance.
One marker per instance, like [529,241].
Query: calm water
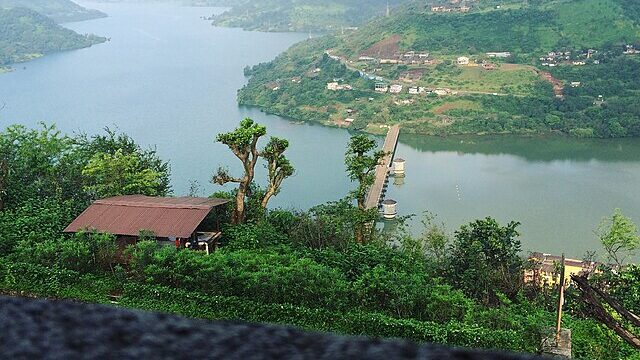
[169,79]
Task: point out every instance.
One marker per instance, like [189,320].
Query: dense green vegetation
[25,34]
[513,98]
[59,10]
[301,15]
[542,26]
[304,269]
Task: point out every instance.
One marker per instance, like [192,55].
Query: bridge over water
[375,195]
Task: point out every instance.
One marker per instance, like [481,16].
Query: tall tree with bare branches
[243,142]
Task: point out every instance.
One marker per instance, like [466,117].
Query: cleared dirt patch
[460,104]
[384,49]
[558,86]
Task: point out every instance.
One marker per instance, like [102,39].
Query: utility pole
[560,301]
[388,9]
[557,342]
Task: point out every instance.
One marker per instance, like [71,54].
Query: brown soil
[384,49]
[557,84]
[444,108]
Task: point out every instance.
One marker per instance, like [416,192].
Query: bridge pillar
[398,167]
[389,209]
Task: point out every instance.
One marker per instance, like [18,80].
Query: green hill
[519,29]
[59,10]
[302,15]
[580,92]
[25,34]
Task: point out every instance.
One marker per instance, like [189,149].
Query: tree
[484,260]
[243,142]
[278,166]
[361,161]
[361,164]
[121,174]
[31,163]
[619,237]
[434,238]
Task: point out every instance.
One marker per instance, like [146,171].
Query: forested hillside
[553,66]
[518,29]
[59,10]
[302,15]
[26,34]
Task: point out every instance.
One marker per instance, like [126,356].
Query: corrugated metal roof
[128,215]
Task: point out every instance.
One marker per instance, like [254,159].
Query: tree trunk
[239,211]
[267,196]
[359,234]
[599,312]
[4,173]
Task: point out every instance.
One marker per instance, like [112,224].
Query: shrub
[33,279]
[83,252]
[190,304]
[34,221]
[253,236]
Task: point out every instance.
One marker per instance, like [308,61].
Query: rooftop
[127,215]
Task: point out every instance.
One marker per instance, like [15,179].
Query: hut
[180,221]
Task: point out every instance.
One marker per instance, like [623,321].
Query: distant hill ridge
[302,15]
[59,10]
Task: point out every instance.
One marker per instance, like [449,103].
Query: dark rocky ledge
[36,329]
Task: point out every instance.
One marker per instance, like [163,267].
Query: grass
[595,19]
[515,79]
[456,105]
[313,14]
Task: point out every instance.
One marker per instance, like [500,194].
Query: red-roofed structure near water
[180,219]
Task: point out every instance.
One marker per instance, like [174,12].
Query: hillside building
[181,221]
[503,54]
[463,60]
[381,87]
[544,269]
[395,89]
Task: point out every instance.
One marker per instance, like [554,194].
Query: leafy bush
[353,322]
[410,295]
[83,252]
[253,236]
[34,220]
[33,279]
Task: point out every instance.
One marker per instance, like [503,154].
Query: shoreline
[380,129]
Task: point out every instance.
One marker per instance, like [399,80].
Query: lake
[169,79]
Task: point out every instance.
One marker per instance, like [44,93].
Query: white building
[503,54]
[381,87]
[395,89]
[463,60]
[334,86]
